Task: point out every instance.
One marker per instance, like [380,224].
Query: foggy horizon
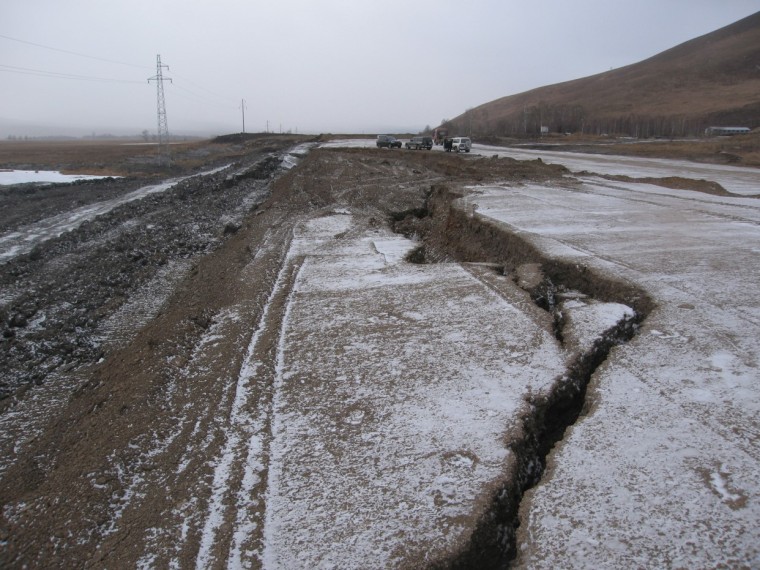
[81,68]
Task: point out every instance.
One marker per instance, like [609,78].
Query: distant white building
[717,131]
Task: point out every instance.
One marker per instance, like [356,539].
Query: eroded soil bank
[117,404]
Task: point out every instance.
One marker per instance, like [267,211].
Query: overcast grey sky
[341,66]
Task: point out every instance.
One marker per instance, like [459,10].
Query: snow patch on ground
[296,154]
[243,429]
[735,179]
[585,318]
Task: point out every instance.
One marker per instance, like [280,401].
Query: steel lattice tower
[163,125]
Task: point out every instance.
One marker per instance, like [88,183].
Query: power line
[224,105]
[221,97]
[72,52]
[59,75]
[221,100]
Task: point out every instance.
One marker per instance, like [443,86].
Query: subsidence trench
[448,232]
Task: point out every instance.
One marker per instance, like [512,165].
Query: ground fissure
[449,230]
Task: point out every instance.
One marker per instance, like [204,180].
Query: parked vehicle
[439,135]
[420,142]
[387,141]
[459,144]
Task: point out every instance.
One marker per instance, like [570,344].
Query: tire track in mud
[181,487]
[162,399]
[234,520]
[215,478]
[25,239]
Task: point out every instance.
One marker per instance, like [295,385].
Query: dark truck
[420,142]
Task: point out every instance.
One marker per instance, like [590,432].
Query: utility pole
[163,126]
[242,107]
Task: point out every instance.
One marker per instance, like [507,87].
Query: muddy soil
[102,325]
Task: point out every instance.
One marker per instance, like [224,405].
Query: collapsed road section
[355,390]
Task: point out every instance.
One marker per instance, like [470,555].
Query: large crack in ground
[448,231]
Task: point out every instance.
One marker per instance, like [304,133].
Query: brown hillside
[711,80]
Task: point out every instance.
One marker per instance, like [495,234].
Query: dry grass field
[122,157]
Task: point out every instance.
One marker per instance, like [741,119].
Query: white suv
[461,144]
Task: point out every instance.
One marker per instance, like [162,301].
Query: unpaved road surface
[140,353]
[317,357]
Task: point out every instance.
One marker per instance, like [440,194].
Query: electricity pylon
[163,126]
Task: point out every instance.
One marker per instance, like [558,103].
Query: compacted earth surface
[290,353]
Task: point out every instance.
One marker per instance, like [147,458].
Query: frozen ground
[665,470]
[735,179]
[299,396]
[24,239]
[186,363]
